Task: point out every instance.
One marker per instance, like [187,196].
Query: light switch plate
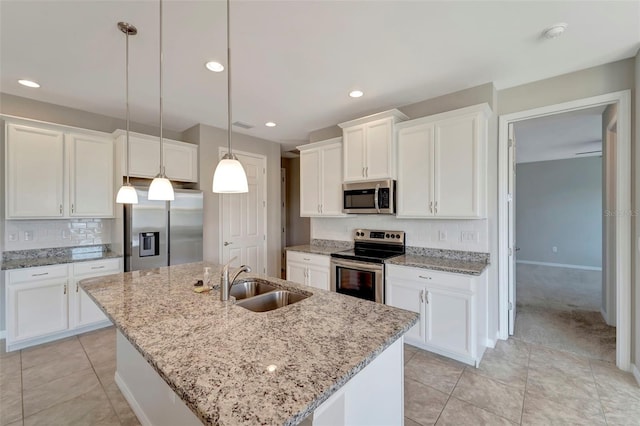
[13,236]
[468,236]
[442,235]
[28,235]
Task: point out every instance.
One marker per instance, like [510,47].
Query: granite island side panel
[214,354]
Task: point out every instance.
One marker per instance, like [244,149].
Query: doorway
[621,256]
[559,202]
[243,217]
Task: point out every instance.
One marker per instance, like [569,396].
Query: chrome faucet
[225,283]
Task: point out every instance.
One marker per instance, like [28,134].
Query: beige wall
[43,111]
[210,140]
[297,227]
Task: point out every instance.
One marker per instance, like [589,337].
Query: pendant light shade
[161,188]
[229,177]
[127,193]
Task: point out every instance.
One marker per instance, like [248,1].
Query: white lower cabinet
[46,303]
[308,269]
[452,310]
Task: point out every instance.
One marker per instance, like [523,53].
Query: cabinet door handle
[435,207]
[73,208]
[423,277]
[39,275]
[363,175]
[97,267]
[320,208]
[76,287]
[430,206]
[366,172]
[421,296]
[60,208]
[65,289]
[428,297]
[227,243]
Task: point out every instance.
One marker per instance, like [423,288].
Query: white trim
[623,203]
[137,410]
[636,373]
[560,265]
[395,114]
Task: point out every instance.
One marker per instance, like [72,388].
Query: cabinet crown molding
[319,144]
[483,108]
[396,114]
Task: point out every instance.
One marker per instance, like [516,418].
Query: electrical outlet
[554,249]
[28,235]
[13,236]
[442,235]
[468,236]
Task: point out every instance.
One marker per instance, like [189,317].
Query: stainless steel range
[360,272]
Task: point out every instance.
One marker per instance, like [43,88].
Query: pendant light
[161,188]
[229,177]
[127,194]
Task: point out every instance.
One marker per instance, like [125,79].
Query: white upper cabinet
[55,174]
[90,175]
[34,172]
[369,146]
[180,158]
[442,165]
[320,178]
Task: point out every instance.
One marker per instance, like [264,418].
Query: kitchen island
[329,358]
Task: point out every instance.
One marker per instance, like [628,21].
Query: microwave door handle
[375,198]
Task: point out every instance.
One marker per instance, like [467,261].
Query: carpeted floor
[560,308]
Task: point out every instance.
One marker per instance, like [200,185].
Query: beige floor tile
[46,352]
[422,403]
[499,366]
[458,412]
[106,372]
[100,345]
[59,390]
[561,411]
[613,383]
[498,398]
[16,423]
[10,407]
[120,405]
[434,370]
[409,352]
[91,408]
[3,349]
[542,356]
[514,351]
[409,422]
[10,374]
[553,381]
[54,367]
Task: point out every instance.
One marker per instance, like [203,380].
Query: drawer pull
[39,275]
[97,267]
[76,287]
[65,289]
[423,277]
[306,258]
[421,296]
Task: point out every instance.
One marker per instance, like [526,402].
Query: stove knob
[397,235]
[386,236]
[393,236]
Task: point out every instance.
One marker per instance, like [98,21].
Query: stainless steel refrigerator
[162,233]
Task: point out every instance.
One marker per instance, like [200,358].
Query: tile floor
[70,382]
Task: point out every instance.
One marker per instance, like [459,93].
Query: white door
[379,136]
[410,297]
[296,272]
[456,165]
[318,277]
[415,171]
[37,309]
[310,183]
[91,176]
[331,183]
[354,139]
[448,321]
[243,218]
[511,215]
[35,172]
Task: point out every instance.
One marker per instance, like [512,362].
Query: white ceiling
[573,134]
[294,62]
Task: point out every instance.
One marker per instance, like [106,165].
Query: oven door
[358,279]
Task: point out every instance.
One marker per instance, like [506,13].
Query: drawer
[95,268]
[308,258]
[38,274]
[432,278]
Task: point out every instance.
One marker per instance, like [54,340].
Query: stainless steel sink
[270,301]
[250,288]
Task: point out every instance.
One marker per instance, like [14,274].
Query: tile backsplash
[36,234]
[466,235]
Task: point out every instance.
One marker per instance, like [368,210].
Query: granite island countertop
[54,256]
[214,354]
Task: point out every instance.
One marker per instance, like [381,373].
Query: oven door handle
[363,266]
[375,198]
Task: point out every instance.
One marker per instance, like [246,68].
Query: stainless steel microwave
[375,197]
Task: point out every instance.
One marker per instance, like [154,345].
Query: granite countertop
[314,249]
[55,256]
[457,266]
[214,354]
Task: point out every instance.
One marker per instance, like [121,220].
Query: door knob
[227,243]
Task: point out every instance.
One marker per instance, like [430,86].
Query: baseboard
[140,414]
[636,373]
[560,265]
[491,343]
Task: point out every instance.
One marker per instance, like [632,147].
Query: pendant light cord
[161,142]
[127,90]
[229,81]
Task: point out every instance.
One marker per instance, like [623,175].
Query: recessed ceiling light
[29,83]
[270,124]
[214,66]
[555,30]
[356,93]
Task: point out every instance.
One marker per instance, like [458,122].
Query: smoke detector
[555,30]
